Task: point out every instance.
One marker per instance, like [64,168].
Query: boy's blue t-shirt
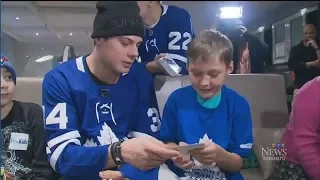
[229,125]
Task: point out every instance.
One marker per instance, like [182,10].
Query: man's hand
[317,63]
[111,175]
[209,154]
[313,44]
[146,152]
[313,64]
[183,160]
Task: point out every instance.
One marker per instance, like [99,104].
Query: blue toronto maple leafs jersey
[171,35]
[229,125]
[83,118]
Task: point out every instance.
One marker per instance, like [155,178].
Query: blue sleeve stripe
[56,154]
[178,57]
[62,138]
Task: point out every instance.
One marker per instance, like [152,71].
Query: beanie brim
[10,68]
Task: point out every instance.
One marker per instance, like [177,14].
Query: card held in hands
[172,68]
[189,147]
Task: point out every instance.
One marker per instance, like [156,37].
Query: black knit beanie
[117,18]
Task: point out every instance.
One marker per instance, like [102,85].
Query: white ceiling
[55,20]
[52,20]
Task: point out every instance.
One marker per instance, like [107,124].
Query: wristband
[116,153]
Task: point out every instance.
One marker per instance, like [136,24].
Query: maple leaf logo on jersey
[205,172]
[90,143]
[107,136]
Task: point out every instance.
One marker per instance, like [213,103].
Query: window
[280,33]
[296,31]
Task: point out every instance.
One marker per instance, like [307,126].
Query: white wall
[23,55]
[38,50]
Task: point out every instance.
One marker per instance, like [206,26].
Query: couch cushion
[29,89]
[165,88]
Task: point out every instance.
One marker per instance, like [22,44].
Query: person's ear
[230,67]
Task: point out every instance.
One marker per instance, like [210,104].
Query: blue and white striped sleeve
[65,153]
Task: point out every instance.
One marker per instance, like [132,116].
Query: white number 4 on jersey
[58,115]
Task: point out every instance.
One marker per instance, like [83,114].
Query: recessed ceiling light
[17,18]
[37,34]
[70,34]
[27,56]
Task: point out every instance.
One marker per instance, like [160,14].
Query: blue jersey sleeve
[180,33]
[132,173]
[241,137]
[147,117]
[65,153]
[168,131]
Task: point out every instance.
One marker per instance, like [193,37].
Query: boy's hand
[209,154]
[183,161]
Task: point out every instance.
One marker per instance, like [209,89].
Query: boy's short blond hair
[210,45]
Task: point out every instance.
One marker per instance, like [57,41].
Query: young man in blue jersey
[169,30]
[208,112]
[92,104]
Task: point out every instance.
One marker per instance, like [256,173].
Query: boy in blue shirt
[208,112]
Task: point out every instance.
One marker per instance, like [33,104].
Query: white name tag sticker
[19,141]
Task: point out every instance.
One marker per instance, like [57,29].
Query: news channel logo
[275,152]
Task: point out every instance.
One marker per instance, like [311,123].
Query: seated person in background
[304,58]
[169,30]
[208,112]
[92,104]
[22,134]
[168,33]
[249,53]
[302,137]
